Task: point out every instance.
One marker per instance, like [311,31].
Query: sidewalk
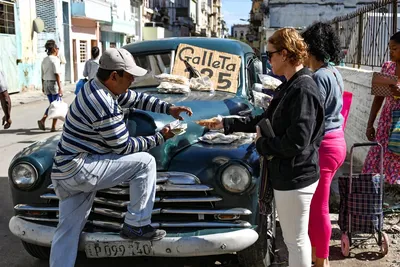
[36,95]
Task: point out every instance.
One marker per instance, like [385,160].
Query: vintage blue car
[207,194]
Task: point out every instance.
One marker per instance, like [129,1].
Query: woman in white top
[51,80]
[92,65]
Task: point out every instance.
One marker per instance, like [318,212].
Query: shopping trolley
[361,205]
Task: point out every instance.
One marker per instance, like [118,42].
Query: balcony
[99,10]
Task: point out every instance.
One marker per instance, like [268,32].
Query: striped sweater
[95,125]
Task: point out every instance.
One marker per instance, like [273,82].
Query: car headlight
[236,178]
[24,175]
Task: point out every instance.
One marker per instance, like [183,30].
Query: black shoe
[141,233]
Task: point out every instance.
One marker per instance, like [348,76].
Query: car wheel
[36,251]
[261,253]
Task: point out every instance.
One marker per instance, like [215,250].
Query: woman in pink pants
[323,48]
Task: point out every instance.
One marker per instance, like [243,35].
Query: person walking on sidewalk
[5,101]
[51,80]
[96,152]
[323,48]
[391,160]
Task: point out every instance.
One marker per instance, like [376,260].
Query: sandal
[41,125]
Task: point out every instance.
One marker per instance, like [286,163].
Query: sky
[234,10]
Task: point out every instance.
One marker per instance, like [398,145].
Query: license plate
[118,249]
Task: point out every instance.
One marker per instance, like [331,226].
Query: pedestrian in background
[92,65]
[387,120]
[5,101]
[51,80]
[323,48]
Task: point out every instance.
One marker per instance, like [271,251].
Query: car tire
[42,253]
[261,253]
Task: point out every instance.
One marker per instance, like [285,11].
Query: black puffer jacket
[297,117]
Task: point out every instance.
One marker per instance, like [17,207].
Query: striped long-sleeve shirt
[95,125]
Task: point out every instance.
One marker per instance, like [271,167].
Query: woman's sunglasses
[269,54]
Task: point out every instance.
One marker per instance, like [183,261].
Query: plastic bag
[176,79]
[269,82]
[261,100]
[216,137]
[173,88]
[79,85]
[201,84]
[58,109]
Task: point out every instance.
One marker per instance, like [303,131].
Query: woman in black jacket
[297,117]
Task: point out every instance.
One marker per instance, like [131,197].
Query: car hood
[204,105]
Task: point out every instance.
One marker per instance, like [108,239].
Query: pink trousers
[332,154]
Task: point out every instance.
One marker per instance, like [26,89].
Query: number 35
[222,82]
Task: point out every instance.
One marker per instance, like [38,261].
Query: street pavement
[27,109]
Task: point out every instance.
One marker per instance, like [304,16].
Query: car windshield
[155,64]
[160,62]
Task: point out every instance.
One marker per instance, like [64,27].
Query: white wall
[359,83]
[305,12]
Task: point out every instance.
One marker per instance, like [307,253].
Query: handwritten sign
[222,68]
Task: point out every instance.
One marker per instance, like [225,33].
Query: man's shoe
[141,233]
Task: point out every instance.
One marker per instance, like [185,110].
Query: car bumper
[202,245]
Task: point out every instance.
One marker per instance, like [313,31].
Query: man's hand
[175,112]
[60,92]
[6,122]
[167,133]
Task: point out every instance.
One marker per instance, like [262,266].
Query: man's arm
[6,105]
[115,134]
[142,101]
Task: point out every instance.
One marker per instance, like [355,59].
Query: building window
[7,22]
[46,11]
[235,34]
[135,10]
[241,35]
[82,51]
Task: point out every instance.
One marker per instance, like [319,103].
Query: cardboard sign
[222,68]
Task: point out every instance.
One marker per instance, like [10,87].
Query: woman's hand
[395,89]
[212,124]
[370,133]
[258,134]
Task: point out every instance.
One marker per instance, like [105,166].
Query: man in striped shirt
[96,152]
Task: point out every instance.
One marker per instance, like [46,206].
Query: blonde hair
[290,40]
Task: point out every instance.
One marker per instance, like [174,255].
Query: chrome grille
[195,207]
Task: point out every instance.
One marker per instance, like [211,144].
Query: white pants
[293,209]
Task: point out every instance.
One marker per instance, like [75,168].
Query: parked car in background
[207,194]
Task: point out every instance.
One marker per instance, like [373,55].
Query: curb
[31,96]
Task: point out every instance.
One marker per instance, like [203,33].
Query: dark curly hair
[395,37]
[323,42]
